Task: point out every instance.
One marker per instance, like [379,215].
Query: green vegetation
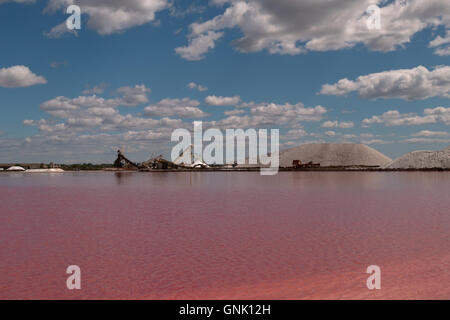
[84,166]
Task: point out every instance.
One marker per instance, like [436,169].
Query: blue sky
[123,79]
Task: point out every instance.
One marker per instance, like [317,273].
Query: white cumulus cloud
[410,84]
[195,86]
[337,124]
[293,27]
[440,42]
[113,16]
[395,118]
[182,108]
[199,45]
[19,76]
[222,101]
[428,133]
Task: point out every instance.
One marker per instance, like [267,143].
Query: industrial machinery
[196,161]
[158,162]
[123,162]
[297,164]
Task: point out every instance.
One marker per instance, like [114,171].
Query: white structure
[51,170]
[198,164]
[15,168]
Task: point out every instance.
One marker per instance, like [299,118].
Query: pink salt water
[297,235]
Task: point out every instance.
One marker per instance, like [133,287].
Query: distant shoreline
[323,169]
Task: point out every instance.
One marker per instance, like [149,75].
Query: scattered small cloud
[98,89]
[199,45]
[182,108]
[195,86]
[59,31]
[133,96]
[395,118]
[337,124]
[427,140]
[234,112]
[443,51]
[440,42]
[178,12]
[376,141]
[17,1]
[222,101]
[57,64]
[428,133]
[409,84]
[19,76]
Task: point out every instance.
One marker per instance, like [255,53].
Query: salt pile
[15,168]
[50,170]
[423,160]
[334,155]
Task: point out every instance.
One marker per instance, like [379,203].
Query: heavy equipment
[123,162]
[297,164]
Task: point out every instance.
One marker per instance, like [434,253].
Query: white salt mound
[423,160]
[50,170]
[15,168]
[334,154]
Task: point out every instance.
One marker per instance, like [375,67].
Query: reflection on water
[296,235]
[122,176]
